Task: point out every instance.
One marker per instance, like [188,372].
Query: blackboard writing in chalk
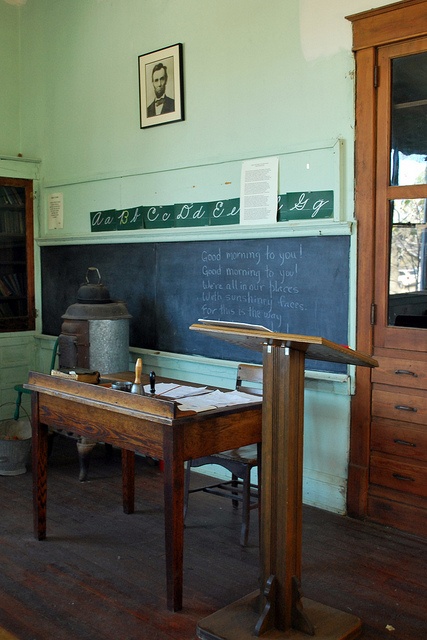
[289,285]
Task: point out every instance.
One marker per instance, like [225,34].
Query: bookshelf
[17,312]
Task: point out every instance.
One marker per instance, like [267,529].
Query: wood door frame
[386,25]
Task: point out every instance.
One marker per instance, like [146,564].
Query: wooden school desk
[151,426]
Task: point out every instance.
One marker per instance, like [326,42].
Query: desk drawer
[391,472]
[399,439]
[401,372]
[402,405]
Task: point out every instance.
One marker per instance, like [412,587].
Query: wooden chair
[19,388]
[239,462]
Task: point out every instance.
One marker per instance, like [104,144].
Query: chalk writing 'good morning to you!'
[252,285]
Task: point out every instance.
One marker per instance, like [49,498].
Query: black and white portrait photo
[161,86]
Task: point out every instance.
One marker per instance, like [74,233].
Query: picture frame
[161,86]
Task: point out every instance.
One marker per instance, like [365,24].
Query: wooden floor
[99,575]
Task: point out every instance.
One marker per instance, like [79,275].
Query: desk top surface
[155,408]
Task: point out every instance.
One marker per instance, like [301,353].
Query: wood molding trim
[358,470]
[391,23]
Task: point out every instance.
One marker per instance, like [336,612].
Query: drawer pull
[405,372]
[404,407]
[400,477]
[404,442]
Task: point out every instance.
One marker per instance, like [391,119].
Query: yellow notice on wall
[55,206]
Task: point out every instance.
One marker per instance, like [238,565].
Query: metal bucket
[15,446]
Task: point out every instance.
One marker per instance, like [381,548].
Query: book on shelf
[12,284]
[15,278]
[5,310]
[5,198]
[11,196]
[12,222]
[4,289]
[17,196]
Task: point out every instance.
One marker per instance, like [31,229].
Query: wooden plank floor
[100,575]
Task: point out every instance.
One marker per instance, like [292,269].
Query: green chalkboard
[295,285]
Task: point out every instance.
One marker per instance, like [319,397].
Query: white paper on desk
[259,191]
[216,399]
[173,391]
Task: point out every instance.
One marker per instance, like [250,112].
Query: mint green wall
[9,80]
[253,82]
[261,78]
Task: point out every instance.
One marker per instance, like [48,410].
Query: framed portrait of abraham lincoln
[161,84]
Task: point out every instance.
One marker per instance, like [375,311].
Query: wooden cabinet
[17,310]
[398,442]
[388,449]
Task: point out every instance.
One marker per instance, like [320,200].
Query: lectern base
[237,622]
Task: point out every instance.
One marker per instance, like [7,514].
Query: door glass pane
[409,120]
[408,263]
[13,256]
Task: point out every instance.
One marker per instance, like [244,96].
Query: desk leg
[174,521]
[128,480]
[39,464]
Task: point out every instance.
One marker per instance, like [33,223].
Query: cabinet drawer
[391,472]
[399,439]
[401,372]
[401,514]
[405,406]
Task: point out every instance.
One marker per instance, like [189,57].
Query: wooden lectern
[278,610]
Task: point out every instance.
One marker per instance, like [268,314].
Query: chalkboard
[290,285]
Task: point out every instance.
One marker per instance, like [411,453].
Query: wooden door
[398,440]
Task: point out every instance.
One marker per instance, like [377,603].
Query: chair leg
[187,486]
[50,441]
[17,405]
[246,510]
[234,483]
